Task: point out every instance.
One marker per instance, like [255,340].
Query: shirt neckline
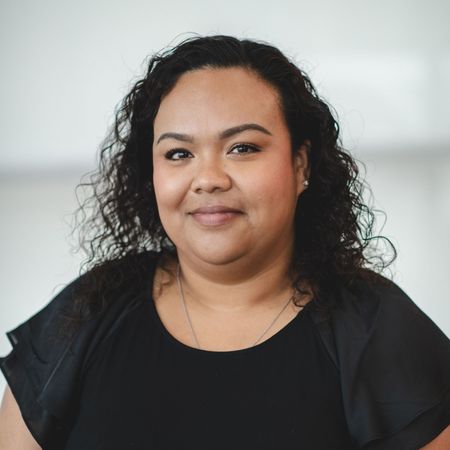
[216,353]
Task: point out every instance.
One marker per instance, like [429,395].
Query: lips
[215,209]
[215,215]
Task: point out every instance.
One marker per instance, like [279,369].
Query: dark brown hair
[334,235]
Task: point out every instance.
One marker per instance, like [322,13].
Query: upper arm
[14,434]
[441,442]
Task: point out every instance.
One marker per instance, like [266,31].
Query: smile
[215,219]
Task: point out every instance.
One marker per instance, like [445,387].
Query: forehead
[208,96]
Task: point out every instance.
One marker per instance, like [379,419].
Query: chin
[217,254]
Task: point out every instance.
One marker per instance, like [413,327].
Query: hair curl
[334,227]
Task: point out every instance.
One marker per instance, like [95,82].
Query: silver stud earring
[306,183]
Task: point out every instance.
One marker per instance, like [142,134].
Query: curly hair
[334,226]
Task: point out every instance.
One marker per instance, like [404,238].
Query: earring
[306,183]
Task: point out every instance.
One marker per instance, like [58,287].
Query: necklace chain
[180,289]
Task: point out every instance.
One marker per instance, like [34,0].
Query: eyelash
[170,153]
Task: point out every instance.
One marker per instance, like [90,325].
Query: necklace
[180,289]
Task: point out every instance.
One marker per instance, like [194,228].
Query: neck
[238,286]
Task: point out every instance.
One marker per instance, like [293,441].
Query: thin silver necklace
[180,289]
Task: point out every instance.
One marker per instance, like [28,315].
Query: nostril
[211,180]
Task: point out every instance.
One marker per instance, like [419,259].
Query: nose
[210,175]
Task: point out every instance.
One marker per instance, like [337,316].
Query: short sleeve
[45,367]
[42,368]
[394,364]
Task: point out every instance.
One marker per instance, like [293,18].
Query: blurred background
[384,66]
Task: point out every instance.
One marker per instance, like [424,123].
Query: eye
[250,147]
[176,151]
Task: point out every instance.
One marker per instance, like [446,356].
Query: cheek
[274,186]
[168,188]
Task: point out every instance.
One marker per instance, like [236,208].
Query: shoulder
[118,283]
[394,364]
[379,324]
[369,308]
[45,366]
[367,301]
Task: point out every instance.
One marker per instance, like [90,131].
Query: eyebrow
[223,135]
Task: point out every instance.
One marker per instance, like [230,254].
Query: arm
[14,434]
[441,442]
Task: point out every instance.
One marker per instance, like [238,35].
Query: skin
[234,276]
[14,434]
[245,274]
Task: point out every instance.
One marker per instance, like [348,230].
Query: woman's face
[220,142]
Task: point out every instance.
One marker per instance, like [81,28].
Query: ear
[301,165]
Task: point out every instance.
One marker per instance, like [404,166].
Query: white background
[384,66]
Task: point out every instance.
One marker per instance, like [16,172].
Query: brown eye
[246,147]
[181,154]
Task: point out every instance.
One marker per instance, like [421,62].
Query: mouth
[215,209]
[215,215]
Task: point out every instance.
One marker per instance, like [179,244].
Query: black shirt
[145,389]
[375,374]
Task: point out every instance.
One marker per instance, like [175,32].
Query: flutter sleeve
[394,364]
[43,367]
[46,365]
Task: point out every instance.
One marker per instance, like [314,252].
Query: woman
[230,301]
